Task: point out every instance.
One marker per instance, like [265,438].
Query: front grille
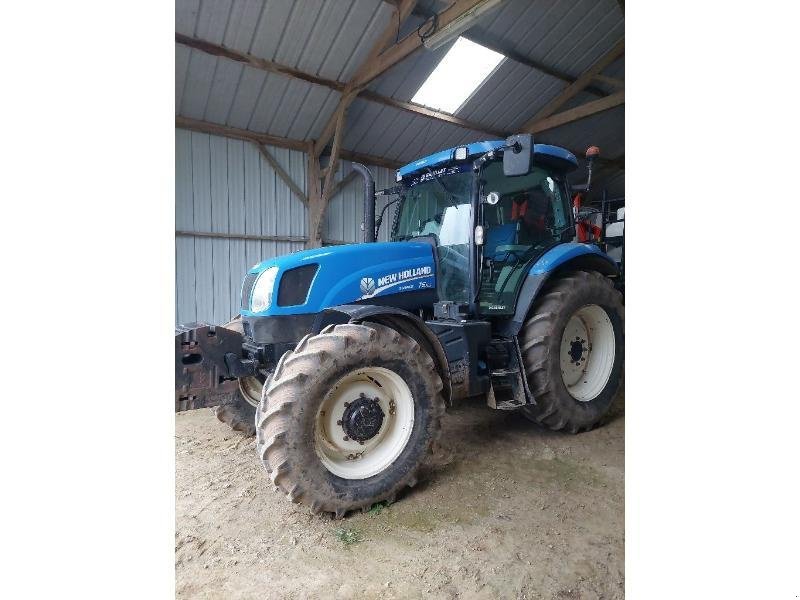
[247,288]
[295,284]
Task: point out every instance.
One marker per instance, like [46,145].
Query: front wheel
[572,346]
[349,416]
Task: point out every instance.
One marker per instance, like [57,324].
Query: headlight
[262,290]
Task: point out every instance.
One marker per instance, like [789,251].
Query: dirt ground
[508,510]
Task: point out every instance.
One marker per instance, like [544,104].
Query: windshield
[532,214]
[438,205]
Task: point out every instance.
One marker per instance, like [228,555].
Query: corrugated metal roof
[331,38]
[324,38]
[566,35]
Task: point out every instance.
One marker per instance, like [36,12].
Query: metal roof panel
[331,38]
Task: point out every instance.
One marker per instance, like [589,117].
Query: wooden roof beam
[402,10]
[577,113]
[273,67]
[255,62]
[239,134]
[533,64]
[394,54]
[430,113]
[577,86]
[612,81]
[279,142]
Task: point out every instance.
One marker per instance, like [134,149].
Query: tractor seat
[497,237]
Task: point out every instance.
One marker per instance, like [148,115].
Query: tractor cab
[489,223]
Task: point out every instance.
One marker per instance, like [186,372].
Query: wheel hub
[577,349]
[364,422]
[362,418]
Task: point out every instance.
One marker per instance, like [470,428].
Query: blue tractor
[344,358]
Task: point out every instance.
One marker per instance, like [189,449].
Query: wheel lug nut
[346,439]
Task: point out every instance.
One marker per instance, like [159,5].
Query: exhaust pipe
[368,225]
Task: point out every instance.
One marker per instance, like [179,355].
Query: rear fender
[396,318]
[562,258]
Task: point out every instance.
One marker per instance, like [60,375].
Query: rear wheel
[573,349]
[349,416]
[241,415]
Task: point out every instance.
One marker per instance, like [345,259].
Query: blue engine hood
[354,272]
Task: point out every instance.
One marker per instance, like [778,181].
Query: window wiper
[444,187]
[383,212]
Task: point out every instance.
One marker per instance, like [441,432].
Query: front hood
[353,272]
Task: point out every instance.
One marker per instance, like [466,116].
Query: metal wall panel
[220,248]
[236,219]
[225,186]
[184,220]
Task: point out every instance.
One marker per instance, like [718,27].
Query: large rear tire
[573,349]
[241,415]
[349,416]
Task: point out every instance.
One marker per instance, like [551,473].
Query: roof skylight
[462,71]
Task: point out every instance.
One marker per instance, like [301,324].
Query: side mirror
[518,157]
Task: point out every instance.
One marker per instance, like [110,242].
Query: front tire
[573,347]
[349,417]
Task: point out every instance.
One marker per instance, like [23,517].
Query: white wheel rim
[348,458]
[250,388]
[588,348]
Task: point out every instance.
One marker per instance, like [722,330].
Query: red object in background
[533,221]
[518,210]
[584,229]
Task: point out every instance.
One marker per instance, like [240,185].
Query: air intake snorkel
[368,225]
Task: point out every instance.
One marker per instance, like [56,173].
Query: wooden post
[324,191]
[318,199]
[315,208]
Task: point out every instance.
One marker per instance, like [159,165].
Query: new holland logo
[370,287]
[367,285]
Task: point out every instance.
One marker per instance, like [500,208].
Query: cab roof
[553,156]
